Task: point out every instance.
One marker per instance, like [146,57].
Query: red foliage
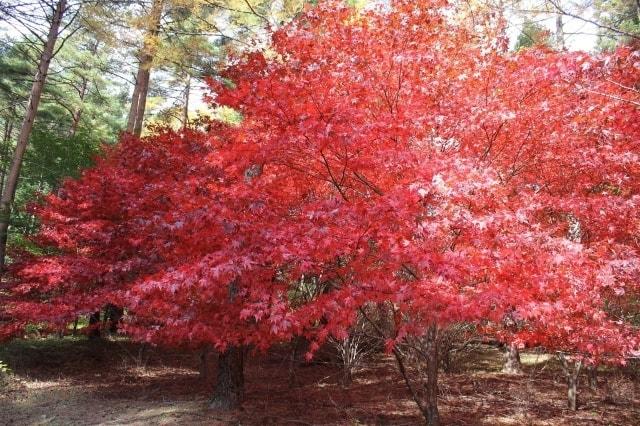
[392,156]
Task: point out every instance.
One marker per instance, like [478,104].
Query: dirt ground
[115,382]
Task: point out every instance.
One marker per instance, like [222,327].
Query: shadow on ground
[75,381]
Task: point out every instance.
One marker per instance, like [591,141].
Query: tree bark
[77,114]
[512,363]
[560,32]
[6,140]
[229,390]
[25,131]
[112,316]
[140,90]
[185,111]
[204,363]
[94,325]
[427,399]
[572,392]
[572,373]
[592,376]
[432,416]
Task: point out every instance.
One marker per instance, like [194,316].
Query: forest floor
[74,381]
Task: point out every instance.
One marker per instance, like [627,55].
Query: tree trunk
[112,316]
[141,88]
[6,140]
[185,111]
[25,131]
[204,363]
[94,325]
[82,93]
[427,399]
[431,415]
[572,373]
[560,32]
[572,392]
[135,98]
[592,376]
[229,390]
[77,114]
[512,363]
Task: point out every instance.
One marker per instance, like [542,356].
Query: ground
[74,381]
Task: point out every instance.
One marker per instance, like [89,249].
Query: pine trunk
[25,131]
[139,98]
[6,140]
[560,32]
[77,114]
[185,111]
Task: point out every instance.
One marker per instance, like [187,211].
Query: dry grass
[77,382]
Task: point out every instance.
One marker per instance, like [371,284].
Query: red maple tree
[391,161]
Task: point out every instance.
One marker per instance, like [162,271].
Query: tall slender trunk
[25,131]
[6,140]
[560,32]
[185,111]
[77,114]
[82,93]
[140,90]
[512,363]
[142,101]
[135,98]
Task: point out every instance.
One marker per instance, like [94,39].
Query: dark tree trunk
[431,415]
[112,316]
[512,363]
[27,124]
[229,390]
[298,346]
[94,325]
[592,376]
[204,363]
